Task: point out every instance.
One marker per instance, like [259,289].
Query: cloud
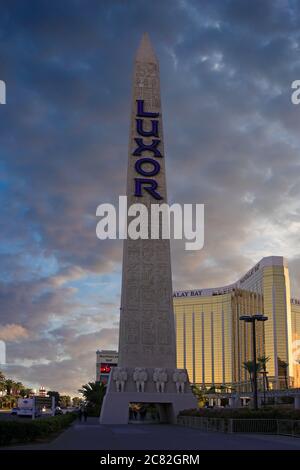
[12,332]
[64,362]
[231,141]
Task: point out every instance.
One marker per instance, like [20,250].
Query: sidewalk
[94,436]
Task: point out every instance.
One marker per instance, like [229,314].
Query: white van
[26,407]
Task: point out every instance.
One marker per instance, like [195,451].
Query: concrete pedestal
[115,407]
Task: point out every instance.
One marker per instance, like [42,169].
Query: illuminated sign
[147,183]
[105,369]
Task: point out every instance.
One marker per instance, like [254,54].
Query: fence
[204,424]
[287,427]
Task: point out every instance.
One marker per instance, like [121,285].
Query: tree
[13,390]
[263,360]
[283,365]
[93,392]
[65,401]
[26,392]
[249,367]
[9,386]
[8,401]
[2,382]
[199,394]
[17,387]
[56,395]
[77,401]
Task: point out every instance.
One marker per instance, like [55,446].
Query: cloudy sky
[231,140]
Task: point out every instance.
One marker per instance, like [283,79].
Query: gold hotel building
[213,344]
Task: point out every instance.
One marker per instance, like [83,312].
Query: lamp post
[264,374]
[252,319]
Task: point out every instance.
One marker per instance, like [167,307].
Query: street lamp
[252,319]
[264,374]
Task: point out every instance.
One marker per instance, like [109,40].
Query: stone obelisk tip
[145,52]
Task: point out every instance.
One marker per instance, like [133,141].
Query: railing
[204,424]
[287,427]
[262,426]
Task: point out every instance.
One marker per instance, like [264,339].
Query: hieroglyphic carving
[146,283]
[148,331]
[132,331]
[164,332]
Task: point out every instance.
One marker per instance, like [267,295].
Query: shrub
[22,431]
[269,413]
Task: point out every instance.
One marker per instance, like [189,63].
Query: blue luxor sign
[146,183]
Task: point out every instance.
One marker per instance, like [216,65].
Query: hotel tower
[213,344]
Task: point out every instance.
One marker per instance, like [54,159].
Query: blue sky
[231,142]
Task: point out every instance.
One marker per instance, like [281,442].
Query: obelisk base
[115,407]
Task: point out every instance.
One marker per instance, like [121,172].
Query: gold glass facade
[295,309]
[213,344]
[202,333]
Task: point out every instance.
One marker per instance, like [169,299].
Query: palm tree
[93,393]
[2,382]
[283,365]
[16,388]
[263,360]
[199,395]
[26,392]
[249,367]
[8,401]
[9,383]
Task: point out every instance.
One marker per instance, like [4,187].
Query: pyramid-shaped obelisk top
[145,52]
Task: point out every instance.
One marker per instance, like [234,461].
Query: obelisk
[147,332]
[146,371]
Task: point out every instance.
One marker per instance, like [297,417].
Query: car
[14,411]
